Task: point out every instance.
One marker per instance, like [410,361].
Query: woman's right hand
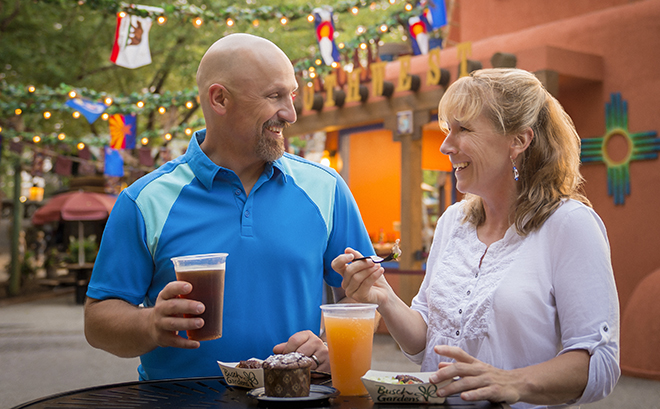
[363,279]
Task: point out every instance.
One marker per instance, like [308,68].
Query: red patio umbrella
[75,206]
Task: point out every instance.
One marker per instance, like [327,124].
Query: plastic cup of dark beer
[206,274]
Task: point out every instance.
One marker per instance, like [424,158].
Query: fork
[395,254]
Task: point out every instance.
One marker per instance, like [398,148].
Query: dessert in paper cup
[401,387]
[249,378]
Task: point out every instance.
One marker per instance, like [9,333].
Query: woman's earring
[516,175]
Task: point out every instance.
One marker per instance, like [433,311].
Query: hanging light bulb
[334,64]
[144,141]
[310,18]
[230,22]
[283,21]
[31,89]
[188,131]
[408,7]
[392,1]
[341,46]
[383,28]
[168,136]
[189,104]
[47,115]
[108,101]
[61,136]
[18,111]
[162,110]
[363,46]
[312,75]
[80,146]
[36,139]
[197,22]
[76,114]
[140,104]
[72,94]
[161,20]
[105,116]
[355,10]
[318,61]
[122,14]
[360,30]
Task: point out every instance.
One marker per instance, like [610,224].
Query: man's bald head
[236,58]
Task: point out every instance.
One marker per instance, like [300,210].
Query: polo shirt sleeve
[586,298]
[348,230]
[124,266]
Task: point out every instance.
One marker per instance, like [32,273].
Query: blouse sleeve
[586,297]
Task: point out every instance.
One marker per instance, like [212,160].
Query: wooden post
[411,206]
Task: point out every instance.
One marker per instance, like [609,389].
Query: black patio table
[211,392]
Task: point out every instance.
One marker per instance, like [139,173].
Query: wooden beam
[375,110]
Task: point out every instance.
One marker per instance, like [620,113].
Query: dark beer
[209,289]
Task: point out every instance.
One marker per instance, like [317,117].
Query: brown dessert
[287,375]
[251,363]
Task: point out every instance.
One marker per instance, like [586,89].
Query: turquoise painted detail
[641,146]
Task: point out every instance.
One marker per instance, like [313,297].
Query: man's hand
[166,317]
[308,344]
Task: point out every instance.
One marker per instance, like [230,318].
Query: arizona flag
[325,34]
[418,28]
[122,131]
[131,47]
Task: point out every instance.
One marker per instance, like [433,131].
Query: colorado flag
[325,34]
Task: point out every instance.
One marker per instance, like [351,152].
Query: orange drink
[350,334]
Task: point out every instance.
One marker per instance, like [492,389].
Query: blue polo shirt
[281,240]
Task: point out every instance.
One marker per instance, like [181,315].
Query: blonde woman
[519,299]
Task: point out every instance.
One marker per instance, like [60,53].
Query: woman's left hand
[478,380]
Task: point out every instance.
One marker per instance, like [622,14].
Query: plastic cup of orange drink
[350,333]
[206,273]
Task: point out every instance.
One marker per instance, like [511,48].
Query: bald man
[281,218]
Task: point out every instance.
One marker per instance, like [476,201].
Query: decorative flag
[131,47]
[144,156]
[122,131]
[91,110]
[325,34]
[86,167]
[417,26]
[114,163]
[63,166]
[435,12]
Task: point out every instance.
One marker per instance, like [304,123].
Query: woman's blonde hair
[514,100]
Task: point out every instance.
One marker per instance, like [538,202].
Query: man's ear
[218,98]
[521,141]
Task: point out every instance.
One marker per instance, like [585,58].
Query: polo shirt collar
[205,169]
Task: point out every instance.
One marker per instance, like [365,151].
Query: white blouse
[531,299]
